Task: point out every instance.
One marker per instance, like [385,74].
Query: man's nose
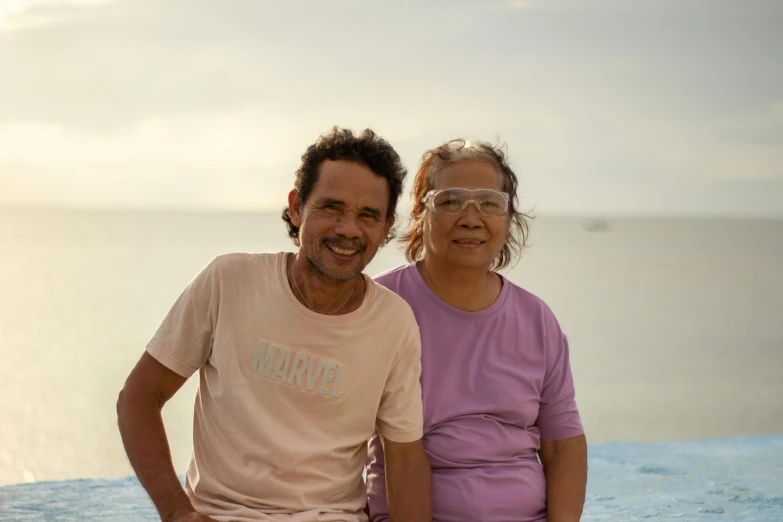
[348,225]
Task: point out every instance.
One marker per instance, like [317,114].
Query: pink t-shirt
[287,397]
[494,384]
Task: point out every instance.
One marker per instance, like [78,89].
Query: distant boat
[595,225]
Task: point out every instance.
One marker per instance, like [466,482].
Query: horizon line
[586,215]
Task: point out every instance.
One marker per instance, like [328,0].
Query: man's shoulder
[242,261]
[391,305]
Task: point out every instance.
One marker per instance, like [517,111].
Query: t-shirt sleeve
[558,416]
[400,412]
[183,342]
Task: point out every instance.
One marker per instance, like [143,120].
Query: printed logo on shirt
[298,369]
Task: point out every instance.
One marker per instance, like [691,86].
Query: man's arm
[565,468]
[139,405]
[408,481]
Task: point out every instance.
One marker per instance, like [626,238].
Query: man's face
[343,221]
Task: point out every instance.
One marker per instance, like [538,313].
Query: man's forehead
[351,183]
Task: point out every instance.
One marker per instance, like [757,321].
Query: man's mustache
[345,244]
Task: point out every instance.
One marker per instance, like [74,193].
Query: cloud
[558,5]
[767,134]
[764,130]
[104,67]
[588,91]
[17,15]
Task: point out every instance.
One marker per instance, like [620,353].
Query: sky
[625,107]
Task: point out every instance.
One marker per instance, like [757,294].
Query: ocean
[675,325]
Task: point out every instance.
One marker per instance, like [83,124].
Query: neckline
[310,314]
[453,310]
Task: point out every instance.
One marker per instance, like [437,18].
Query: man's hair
[432,163]
[367,149]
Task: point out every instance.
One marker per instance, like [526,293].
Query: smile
[341,251]
[469,243]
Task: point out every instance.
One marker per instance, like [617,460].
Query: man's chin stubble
[321,269]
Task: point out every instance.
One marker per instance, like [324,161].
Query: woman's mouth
[469,243]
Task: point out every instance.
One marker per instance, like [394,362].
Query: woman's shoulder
[527,302]
[396,278]
[391,305]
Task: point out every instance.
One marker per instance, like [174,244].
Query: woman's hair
[432,163]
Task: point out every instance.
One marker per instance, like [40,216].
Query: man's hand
[189,516]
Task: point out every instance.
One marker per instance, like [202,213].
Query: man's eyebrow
[376,212]
[330,201]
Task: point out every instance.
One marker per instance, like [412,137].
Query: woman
[496,380]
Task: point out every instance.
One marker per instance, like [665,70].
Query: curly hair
[432,163]
[367,149]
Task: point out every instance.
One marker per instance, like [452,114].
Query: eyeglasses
[453,201]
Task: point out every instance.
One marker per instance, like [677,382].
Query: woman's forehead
[468,174]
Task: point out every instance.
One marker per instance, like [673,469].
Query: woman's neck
[469,289]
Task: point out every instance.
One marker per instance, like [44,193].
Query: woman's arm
[565,468]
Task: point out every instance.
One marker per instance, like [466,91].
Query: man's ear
[389,225]
[295,208]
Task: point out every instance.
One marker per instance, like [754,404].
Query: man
[300,357]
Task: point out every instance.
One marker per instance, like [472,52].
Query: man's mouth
[342,251]
[342,248]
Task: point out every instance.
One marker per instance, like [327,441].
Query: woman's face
[468,239]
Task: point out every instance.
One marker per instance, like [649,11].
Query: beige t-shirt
[287,397]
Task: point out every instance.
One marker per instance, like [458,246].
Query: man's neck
[320,293]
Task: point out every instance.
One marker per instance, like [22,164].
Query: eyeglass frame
[429,197]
